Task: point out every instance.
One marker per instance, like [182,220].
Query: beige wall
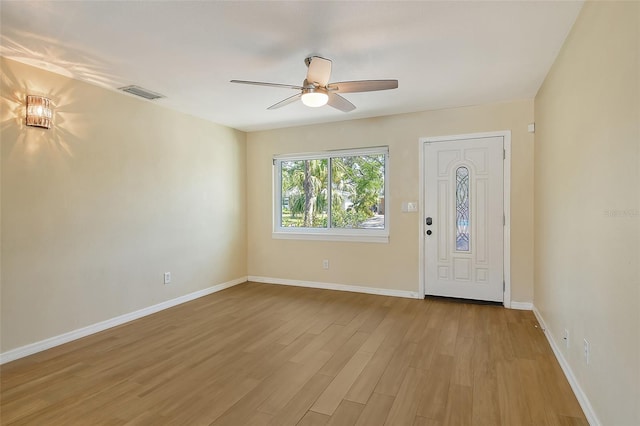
[393,265]
[587,197]
[95,210]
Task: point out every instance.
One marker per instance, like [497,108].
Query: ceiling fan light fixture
[315,97]
[316,90]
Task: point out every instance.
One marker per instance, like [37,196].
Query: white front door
[463,219]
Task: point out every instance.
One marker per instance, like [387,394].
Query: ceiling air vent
[143,93]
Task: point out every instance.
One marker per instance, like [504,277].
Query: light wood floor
[260,354]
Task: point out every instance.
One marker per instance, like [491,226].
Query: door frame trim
[506,201]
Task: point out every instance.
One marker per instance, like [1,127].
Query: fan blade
[287,101]
[362,86]
[319,71]
[338,102]
[259,83]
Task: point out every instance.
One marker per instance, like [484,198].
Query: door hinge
[504,154]
[503,286]
[504,220]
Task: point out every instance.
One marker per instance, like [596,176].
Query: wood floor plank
[536,337]
[485,408]
[322,321]
[366,382]
[481,361]
[500,345]
[147,418]
[280,384]
[405,405]
[344,354]
[277,400]
[423,421]
[468,325]
[463,362]
[535,391]
[346,414]
[425,349]
[380,335]
[302,401]
[513,405]
[458,410]
[225,399]
[376,411]
[560,420]
[522,344]
[311,418]
[391,380]
[449,330]
[259,419]
[270,359]
[558,395]
[317,343]
[335,392]
[435,388]
[378,315]
[418,325]
[258,354]
[20,409]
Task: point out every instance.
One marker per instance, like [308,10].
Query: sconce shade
[38,111]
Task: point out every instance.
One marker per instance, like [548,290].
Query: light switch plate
[409,206]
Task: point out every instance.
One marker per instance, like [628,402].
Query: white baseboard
[573,382]
[523,306]
[339,287]
[51,342]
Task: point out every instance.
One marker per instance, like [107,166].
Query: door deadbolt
[429,221]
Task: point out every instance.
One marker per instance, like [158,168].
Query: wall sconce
[39,111]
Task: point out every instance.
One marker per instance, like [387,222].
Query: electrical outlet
[325,264]
[167,277]
[587,351]
[566,337]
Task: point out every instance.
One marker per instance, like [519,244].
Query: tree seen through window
[356,192]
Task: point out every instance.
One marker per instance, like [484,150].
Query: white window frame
[329,234]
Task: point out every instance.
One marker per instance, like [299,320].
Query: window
[462,209]
[333,195]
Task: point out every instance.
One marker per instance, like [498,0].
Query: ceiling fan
[316,90]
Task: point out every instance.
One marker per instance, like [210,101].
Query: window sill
[307,236]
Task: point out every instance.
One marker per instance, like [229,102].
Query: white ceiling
[444,53]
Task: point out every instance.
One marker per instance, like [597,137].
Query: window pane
[304,193]
[462,209]
[357,192]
